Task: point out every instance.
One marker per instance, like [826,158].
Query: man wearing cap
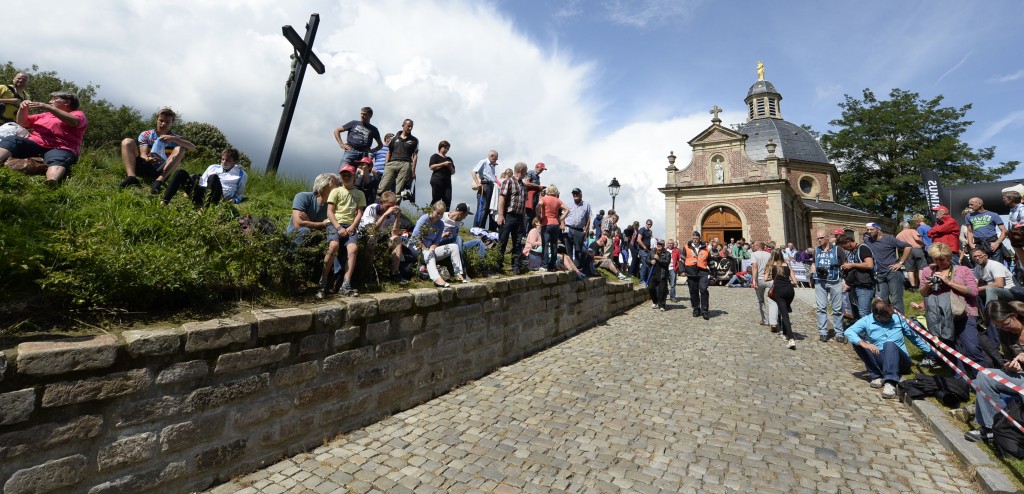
[946,231]
[400,166]
[577,224]
[695,266]
[985,229]
[345,206]
[533,190]
[890,255]
[828,286]
[484,174]
[452,221]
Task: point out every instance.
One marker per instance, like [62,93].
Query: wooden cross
[302,57]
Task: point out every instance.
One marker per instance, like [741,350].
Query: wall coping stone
[216,333]
[279,321]
[47,358]
[153,342]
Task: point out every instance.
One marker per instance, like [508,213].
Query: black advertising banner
[932,189]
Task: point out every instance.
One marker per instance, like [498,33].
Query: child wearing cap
[345,207]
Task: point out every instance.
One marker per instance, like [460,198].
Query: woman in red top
[552,212]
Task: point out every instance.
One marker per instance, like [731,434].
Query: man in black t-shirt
[361,136]
[597,250]
[400,164]
[858,270]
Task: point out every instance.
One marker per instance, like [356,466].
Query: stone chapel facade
[767,180]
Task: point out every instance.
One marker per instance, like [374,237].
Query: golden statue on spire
[760,71]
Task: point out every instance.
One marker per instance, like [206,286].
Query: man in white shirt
[453,224]
[767,307]
[993,276]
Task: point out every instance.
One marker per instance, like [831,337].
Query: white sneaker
[888,391]
[654,306]
[791,344]
[622,277]
[876,383]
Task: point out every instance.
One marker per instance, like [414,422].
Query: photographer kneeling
[878,339]
[951,304]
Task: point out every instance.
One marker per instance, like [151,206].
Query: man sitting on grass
[55,134]
[309,209]
[224,180]
[157,155]
[345,207]
[598,249]
[380,224]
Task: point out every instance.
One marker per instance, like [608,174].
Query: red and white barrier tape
[933,340]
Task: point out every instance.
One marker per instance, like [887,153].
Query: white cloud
[953,68]
[461,70]
[642,13]
[996,127]
[1009,77]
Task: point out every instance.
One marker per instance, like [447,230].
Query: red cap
[541,165]
[366,159]
[838,231]
[348,168]
[944,209]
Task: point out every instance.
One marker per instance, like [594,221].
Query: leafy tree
[882,145]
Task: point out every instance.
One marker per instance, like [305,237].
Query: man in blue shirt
[985,229]
[577,224]
[878,339]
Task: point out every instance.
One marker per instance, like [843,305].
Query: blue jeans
[828,293]
[672,284]
[862,295]
[549,243]
[483,204]
[644,257]
[889,364]
[890,288]
[475,243]
[574,242]
[985,412]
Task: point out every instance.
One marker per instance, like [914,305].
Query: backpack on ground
[949,390]
[1007,438]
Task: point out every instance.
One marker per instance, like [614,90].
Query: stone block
[378,331]
[126,451]
[338,411]
[213,396]
[409,325]
[445,351]
[279,321]
[49,476]
[16,406]
[371,377]
[393,395]
[248,359]
[183,372]
[219,455]
[260,412]
[446,295]
[343,337]
[218,333]
[329,318]
[96,388]
[462,312]
[187,434]
[392,348]
[288,429]
[46,436]
[474,341]
[425,341]
[315,343]
[407,366]
[471,291]
[141,481]
[434,319]
[517,283]
[425,297]
[3,365]
[393,303]
[152,342]
[492,305]
[497,287]
[140,412]
[549,278]
[319,394]
[294,374]
[361,309]
[533,280]
[48,358]
[348,358]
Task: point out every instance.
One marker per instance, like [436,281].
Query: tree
[881,147]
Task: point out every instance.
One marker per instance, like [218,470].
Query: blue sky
[595,89]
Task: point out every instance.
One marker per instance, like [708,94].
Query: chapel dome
[762,87]
[793,142]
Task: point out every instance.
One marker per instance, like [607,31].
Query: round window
[806,185]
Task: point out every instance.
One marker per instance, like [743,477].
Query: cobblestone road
[649,402]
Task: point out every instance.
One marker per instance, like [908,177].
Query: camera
[821,272]
[936,283]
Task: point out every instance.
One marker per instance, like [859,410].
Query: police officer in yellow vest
[695,266]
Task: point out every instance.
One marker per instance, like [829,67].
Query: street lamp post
[613,190]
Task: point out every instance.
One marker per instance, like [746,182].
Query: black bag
[1008,439]
[949,390]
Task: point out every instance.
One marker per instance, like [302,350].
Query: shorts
[352,156]
[333,236]
[21,147]
[147,169]
[916,261]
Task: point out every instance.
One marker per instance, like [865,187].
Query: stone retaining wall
[179,409]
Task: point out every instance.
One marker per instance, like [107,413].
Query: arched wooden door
[722,223]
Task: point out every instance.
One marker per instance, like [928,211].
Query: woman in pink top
[552,212]
[56,134]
